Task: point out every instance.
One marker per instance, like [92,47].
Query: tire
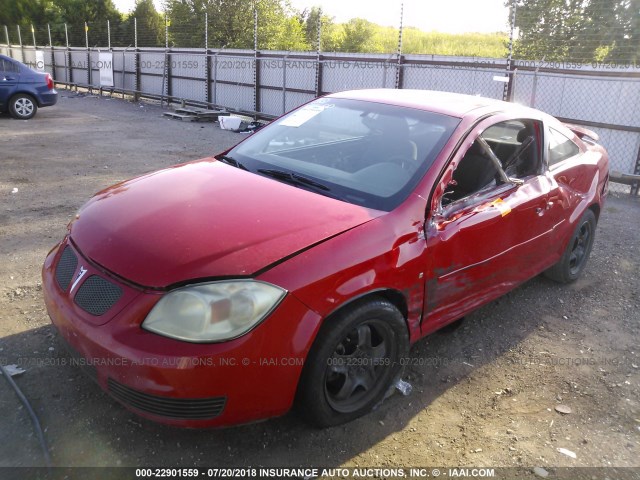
[23,106]
[575,256]
[356,357]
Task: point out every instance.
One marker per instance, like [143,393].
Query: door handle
[547,206]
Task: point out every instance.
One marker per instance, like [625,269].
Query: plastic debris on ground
[568,453]
[564,409]
[239,125]
[13,370]
[403,387]
[540,472]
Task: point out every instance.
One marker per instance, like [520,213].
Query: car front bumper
[187,384]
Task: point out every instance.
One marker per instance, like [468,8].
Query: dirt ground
[483,394]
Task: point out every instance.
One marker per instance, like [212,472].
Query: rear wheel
[22,106]
[356,357]
[575,257]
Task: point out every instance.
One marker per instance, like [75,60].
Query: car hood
[204,219]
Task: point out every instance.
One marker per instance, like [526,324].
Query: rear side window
[8,66]
[560,147]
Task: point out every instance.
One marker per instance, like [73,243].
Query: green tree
[330,34]
[76,12]
[578,30]
[230,24]
[359,36]
[23,12]
[149,22]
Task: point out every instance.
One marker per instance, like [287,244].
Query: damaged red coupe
[300,265]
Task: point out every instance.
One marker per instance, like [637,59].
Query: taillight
[49,81]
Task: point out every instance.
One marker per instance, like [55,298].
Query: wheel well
[395,297]
[595,208]
[29,94]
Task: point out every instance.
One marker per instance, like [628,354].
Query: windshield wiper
[293,178]
[231,161]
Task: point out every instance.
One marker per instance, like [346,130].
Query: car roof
[447,103]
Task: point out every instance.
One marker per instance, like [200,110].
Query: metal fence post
[635,188]
[124,70]
[534,87]
[400,59]
[109,34]
[206,31]
[20,42]
[33,34]
[166,74]
[68,70]
[215,77]
[207,65]
[166,31]
[86,41]
[6,34]
[400,72]
[509,73]
[318,79]
[256,63]
[136,61]
[53,54]
[284,82]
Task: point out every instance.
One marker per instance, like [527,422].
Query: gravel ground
[484,394]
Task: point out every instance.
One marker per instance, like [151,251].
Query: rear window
[560,147]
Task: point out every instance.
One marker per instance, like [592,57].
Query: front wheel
[575,256]
[22,106]
[353,362]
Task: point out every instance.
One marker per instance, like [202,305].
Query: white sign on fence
[40,60]
[105,64]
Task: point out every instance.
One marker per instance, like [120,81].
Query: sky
[451,16]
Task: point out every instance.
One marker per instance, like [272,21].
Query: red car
[300,265]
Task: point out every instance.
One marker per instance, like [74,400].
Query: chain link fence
[605,101]
[160,64]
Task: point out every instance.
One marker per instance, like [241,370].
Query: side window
[515,146]
[516,143]
[560,147]
[7,66]
[475,172]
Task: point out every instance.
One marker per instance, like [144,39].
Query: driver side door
[488,229]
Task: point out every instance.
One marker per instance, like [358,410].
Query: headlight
[213,312]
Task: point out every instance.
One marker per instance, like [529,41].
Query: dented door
[481,247]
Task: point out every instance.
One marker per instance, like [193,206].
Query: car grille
[66,266]
[97,295]
[184,408]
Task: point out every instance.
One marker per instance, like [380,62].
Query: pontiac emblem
[78,277]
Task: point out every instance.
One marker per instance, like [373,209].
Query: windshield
[366,153]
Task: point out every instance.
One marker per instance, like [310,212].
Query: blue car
[23,90]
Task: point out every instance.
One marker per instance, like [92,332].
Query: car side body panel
[392,262]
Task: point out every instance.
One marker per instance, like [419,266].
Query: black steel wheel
[356,357]
[575,256]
